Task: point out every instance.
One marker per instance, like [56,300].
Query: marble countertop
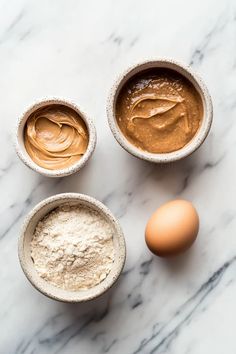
[75,49]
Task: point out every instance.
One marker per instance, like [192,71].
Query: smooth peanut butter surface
[55,137]
[159,111]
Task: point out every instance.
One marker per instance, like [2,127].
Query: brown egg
[172,228]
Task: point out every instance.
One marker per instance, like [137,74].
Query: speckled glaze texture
[38,212]
[201,134]
[19,138]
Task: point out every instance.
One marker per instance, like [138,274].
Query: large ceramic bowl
[38,212]
[197,82]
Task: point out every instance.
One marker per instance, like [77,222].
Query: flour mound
[72,247]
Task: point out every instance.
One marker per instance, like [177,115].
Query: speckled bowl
[38,212]
[201,134]
[24,156]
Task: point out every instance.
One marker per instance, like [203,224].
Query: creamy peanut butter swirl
[55,137]
[159,111]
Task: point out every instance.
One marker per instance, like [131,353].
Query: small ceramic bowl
[24,156]
[38,212]
[199,137]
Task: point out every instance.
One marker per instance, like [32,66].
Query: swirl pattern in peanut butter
[159,111]
[55,137]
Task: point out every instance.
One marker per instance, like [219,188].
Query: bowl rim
[51,291]
[26,159]
[193,77]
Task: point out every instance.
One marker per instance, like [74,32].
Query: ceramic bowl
[38,212]
[199,137]
[24,156]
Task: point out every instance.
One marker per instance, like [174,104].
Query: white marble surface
[75,49]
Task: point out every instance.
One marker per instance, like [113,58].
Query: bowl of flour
[71,247]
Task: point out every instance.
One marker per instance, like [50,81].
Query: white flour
[72,247]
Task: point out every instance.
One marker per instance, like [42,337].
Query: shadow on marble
[179,264]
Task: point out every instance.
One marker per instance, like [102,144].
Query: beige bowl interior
[24,156]
[26,261]
[197,83]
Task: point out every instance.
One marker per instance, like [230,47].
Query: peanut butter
[55,137]
[159,111]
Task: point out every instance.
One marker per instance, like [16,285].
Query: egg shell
[172,228]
